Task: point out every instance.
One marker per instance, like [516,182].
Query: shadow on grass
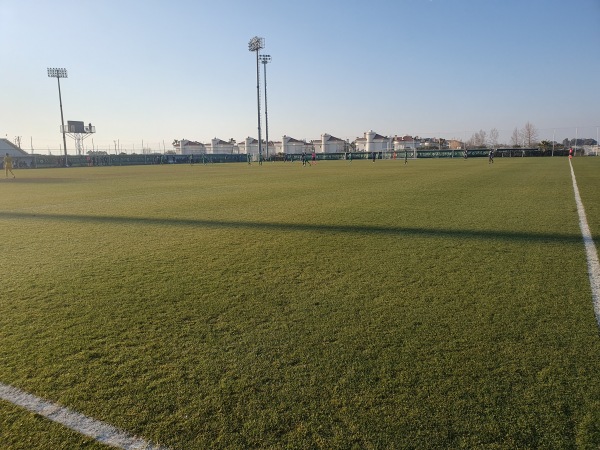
[19,180]
[302,227]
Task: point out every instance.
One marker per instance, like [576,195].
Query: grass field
[442,304]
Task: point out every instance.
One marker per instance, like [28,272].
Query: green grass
[442,304]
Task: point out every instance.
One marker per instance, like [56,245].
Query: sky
[146,73]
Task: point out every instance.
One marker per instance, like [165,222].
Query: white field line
[100,431]
[590,249]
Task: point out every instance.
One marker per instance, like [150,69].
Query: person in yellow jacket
[8,165]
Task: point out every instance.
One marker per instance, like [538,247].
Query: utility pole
[265,59]
[59,73]
[256,44]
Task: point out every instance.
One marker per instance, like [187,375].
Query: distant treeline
[579,142]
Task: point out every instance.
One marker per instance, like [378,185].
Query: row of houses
[370,142]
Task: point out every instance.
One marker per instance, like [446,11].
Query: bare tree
[482,138]
[493,138]
[478,139]
[514,139]
[529,134]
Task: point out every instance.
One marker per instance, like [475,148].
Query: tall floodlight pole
[265,59]
[255,44]
[58,74]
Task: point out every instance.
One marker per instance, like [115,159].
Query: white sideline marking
[100,431]
[590,250]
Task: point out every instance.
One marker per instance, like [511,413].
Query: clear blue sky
[156,71]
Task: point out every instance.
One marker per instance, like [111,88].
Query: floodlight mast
[256,44]
[265,59]
[59,73]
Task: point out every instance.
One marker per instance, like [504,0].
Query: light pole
[255,44]
[265,59]
[58,74]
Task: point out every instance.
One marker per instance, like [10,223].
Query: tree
[478,139]
[529,134]
[579,142]
[546,146]
[514,139]
[493,138]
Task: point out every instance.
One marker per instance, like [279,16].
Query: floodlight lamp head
[256,43]
[265,59]
[57,72]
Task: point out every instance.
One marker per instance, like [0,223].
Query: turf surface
[441,304]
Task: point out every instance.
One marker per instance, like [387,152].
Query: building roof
[292,140]
[404,138]
[8,147]
[186,142]
[330,138]
[378,136]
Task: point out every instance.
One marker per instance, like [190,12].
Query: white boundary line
[99,431]
[590,249]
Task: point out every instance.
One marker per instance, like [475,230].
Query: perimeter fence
[48,161]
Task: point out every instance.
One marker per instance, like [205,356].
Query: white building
[406,142]
[329,144]
[373,142]
[289,145]
[221,147]
[8,147]
[185,147]
[370,142]
[249,147]
[216,146]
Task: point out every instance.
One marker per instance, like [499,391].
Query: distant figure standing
[405,157]
[314,158]
[374,156]
[570,153]
[8,165]
[491,157]
[303,158]
[465,154]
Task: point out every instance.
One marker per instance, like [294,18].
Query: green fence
[41,161]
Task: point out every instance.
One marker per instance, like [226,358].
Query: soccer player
[491,157]
[8,165]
